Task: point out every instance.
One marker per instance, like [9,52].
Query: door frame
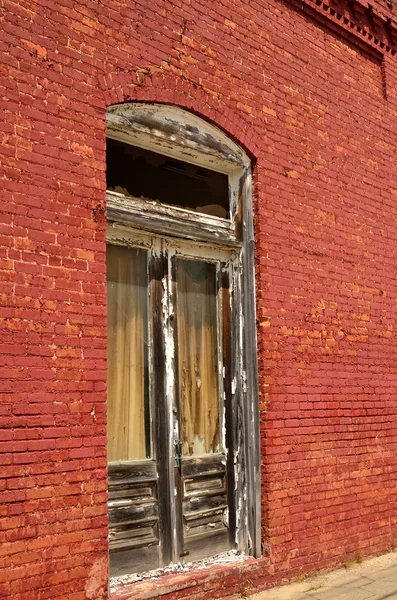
[174,132]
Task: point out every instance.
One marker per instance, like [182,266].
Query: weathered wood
[132,560]
[195,488]
[133,513]
[137,543]
[138,471]
[130,490]
[144,539]
[206,545]
[208,465]
[211,503]
[206,518]
[176,410]
[231,352]
[250,408]
[175,133]
[205,500]
[141,530]
[139,492]
[236,424]
[169,220]
[205,505]
[158,272]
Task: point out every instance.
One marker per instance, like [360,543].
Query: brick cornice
[363,23]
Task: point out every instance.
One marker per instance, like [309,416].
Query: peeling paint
[166,233]
[175,131]
[227,558]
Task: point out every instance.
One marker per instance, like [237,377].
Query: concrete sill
[233,577]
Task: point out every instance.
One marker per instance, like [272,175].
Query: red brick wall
[311,110]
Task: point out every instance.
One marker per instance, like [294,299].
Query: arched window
[182,375]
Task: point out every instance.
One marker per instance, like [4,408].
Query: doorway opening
[182,387]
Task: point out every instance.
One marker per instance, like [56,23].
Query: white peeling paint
[234,385]
[226,558]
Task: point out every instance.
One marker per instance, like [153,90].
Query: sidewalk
[374,579]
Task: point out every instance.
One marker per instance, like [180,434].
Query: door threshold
[176,577]
[232,556]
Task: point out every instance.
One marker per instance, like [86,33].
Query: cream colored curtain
[127,353]
[198,356]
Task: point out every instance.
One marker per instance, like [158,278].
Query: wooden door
[169,406]
[138,431]
[203,473]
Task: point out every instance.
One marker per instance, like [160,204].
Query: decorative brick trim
[357,20]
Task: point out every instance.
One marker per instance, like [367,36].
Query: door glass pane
[128,382]
[198,356]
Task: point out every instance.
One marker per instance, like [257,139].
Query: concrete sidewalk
[374,579]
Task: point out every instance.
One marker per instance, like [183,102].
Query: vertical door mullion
[231,387]
[158,275]
[176,411]
[221,364]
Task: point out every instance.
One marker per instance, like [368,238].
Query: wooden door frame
[174,132]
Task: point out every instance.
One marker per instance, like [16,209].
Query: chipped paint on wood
[177,222]
[175,132]
[207,509]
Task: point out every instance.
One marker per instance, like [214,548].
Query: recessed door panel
[133,517]
[204,506]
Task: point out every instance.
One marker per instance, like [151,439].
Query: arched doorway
[182,376]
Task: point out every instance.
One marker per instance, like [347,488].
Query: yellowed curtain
[127,354]
[198,356]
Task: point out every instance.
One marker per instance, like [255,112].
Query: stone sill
[201,580]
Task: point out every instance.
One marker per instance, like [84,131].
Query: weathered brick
[314,104]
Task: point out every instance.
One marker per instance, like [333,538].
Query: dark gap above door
[142,173]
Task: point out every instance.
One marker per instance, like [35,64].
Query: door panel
[133,517]
[205,507]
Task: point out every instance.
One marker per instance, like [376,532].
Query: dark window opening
[141,173]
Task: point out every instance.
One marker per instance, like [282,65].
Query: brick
[315,106]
